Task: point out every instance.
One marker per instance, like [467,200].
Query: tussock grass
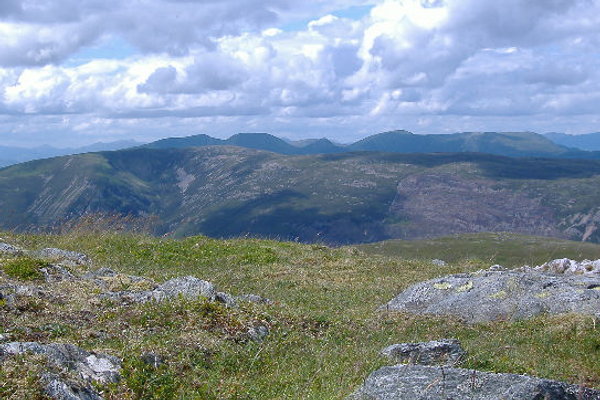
[325,330]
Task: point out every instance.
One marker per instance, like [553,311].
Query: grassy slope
[505,249]
[325,331]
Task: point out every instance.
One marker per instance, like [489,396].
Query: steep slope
[337,198]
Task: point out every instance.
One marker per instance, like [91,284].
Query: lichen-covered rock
[56,273]
[438,352]
[89,366]
[254,298]
[59,389]
[10,250]
[67,257]
[420,382]
[501,295]
[187,286]
[568,266]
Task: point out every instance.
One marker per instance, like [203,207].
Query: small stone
[152,359]
[226,299]
[258,333]
[438,352]
[438,262]
[254,298]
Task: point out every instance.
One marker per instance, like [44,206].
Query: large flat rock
[420,382]
[501,295]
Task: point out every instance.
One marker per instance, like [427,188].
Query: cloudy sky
[74,72]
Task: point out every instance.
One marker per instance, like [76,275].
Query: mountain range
[353,197]
[512,144]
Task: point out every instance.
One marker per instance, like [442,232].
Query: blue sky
[73,72]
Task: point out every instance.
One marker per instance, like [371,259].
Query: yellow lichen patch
[442,286]
[542,295]
[466,287]
[499,295]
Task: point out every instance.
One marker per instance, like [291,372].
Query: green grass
[509,250]
[325,332]
[24,268]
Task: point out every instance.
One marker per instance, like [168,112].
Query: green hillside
[334,198]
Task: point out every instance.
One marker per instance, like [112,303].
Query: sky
[74,72]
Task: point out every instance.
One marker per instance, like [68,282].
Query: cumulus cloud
[426,65]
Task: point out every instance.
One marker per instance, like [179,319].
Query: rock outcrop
[420,382]
[501,295]
[568,266]
[187,286]
[89,367]
[8,249]
[437,352]
[66,257]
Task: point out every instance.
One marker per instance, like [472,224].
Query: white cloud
[416,64]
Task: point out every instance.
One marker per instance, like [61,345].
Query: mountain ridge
[512,144]
[345,198]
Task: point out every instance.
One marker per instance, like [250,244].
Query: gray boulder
[420,382]
[67,257]
[501,295]
[59,389]
[438,352]
[8,249]
[187,286]
[89,366]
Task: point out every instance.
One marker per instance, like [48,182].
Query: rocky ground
[66,287]
[73,328]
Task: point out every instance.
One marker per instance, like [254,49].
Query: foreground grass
[325,332]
